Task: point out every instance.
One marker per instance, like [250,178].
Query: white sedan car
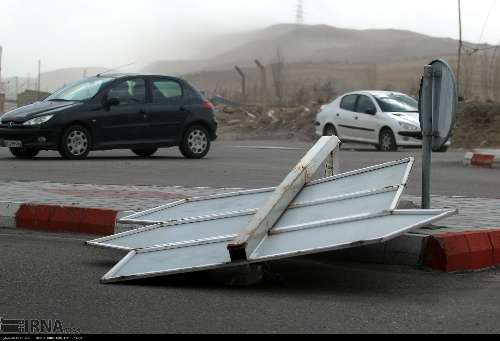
[387,120]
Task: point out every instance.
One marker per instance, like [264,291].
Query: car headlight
[409,127]
[38,120]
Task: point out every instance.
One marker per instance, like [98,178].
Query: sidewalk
[475,213]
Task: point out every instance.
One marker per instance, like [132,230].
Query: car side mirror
[112,102]
[372,112]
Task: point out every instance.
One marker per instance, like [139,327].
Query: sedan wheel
[196,143]
[330,131]
[75,144]
[387,141]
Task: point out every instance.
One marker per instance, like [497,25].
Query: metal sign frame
[224,260]
[111,241]
[298,217]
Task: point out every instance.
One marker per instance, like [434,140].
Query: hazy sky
[67,33]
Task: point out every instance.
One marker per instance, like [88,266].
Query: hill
[316,44]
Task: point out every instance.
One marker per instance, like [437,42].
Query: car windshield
[80,91]
[397,103]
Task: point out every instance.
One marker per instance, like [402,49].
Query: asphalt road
[238,165]
[56,277]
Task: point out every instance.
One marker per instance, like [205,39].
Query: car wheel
[330,130]
[387,141]
[145,152]
[196,143]
[75,143]
[24,153]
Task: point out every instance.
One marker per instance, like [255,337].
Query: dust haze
[64,34]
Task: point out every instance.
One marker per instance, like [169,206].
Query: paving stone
[474,212]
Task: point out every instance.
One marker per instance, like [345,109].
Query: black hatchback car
[137,112]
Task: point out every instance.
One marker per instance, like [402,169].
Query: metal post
[332,166]
[460,47]
[263,86]
[427,109]
[243,85]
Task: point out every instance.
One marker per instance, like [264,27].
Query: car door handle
[338,115]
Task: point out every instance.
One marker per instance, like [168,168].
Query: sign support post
[438,107]
[427,112]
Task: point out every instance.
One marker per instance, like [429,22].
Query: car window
[365,103]
[397,103]
[349,102]
[83,90]
[166,91]
[132,91]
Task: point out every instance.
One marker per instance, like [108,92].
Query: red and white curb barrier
[48,218]
[483,158]
[456,252]
[446,252]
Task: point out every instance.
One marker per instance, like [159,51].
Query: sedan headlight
[38,120]
[409,127]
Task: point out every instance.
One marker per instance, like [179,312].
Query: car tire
[145,153]
[330,130]
[76,143]
[387,141]
[195,143]
[24,153]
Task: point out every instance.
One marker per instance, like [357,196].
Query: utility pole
[1,52]
[300,13]
[39,86]
[460,46]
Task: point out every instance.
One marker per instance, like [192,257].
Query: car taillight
[208,105]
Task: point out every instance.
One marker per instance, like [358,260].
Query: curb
[483,158]
[457,252]
[447,252]
[48,218]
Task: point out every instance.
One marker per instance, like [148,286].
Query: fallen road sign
[212,227]
[299,217]
[287,242]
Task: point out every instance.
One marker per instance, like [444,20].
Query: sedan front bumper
[29,137]
[412,139]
